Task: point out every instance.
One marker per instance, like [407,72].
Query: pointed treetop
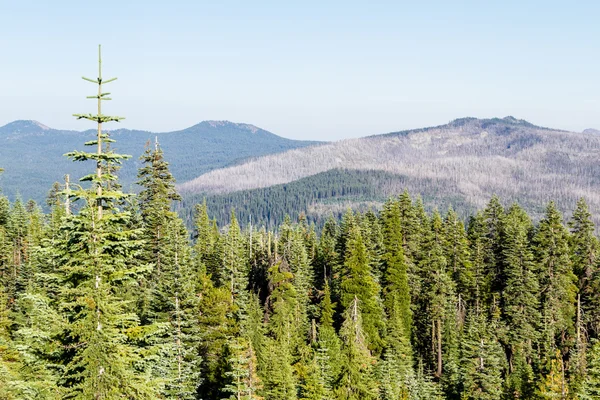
[100,96]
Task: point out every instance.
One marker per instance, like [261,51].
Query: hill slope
[32,153]
[468,160]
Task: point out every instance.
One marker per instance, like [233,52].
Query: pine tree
[554,385]
[357,380]
[591,386]
[154,200]
[481,360]
[521,296]
[439,299]
[216,329]
[299,264]
[244,381]
[326,261]
[422,387]
[284,335]
[456,246]
[357,281]
[557,281]
[584,248]
[494,231]
[476,233]
[235,268]
[396,367]
[412,237]
[100,359]
[328,343]
[206,257]
[170,296]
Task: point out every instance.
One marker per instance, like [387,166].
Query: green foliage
[106,297]
[357,283]
[357,378]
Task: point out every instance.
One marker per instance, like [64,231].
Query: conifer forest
[110,296]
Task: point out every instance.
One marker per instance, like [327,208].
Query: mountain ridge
[32,125]
[31,153]
[469,159]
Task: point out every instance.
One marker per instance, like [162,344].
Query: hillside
[466,160]
[319,196]
[32,153]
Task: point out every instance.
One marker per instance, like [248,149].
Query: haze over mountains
[32,153]
[462,164]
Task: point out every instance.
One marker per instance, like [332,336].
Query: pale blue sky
[305,70]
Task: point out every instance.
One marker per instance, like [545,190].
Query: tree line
[118,300]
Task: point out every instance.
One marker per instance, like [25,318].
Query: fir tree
[235,266]
[481,360]
[591,386]
[439,302]
[554,385]
[396,367]
[100,359]
[357,380]
[284,334]
[521,296]
[328,343]
[244,381]
[557,281]
[494,231]
[357,281]
[584,247]
[456,246]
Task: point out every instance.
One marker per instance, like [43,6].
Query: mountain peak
[24,126]
[225,123]
[591,131]
[508,120]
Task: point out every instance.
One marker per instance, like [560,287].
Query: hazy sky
[310,70]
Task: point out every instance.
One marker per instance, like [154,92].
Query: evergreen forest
[110,296]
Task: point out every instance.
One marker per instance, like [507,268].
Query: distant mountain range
[462,163]
[241,166]
[32,153]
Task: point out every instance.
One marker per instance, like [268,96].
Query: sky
[324,70]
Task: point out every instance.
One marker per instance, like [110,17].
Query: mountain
[591,131]
[463,162]
[32,153]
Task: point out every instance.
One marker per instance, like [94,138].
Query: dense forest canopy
[109,296]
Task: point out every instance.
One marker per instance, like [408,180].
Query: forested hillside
[32,153]
[466,161]
[109,296]
[117,301]
[318,197]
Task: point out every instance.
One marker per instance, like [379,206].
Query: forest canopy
[110,296]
